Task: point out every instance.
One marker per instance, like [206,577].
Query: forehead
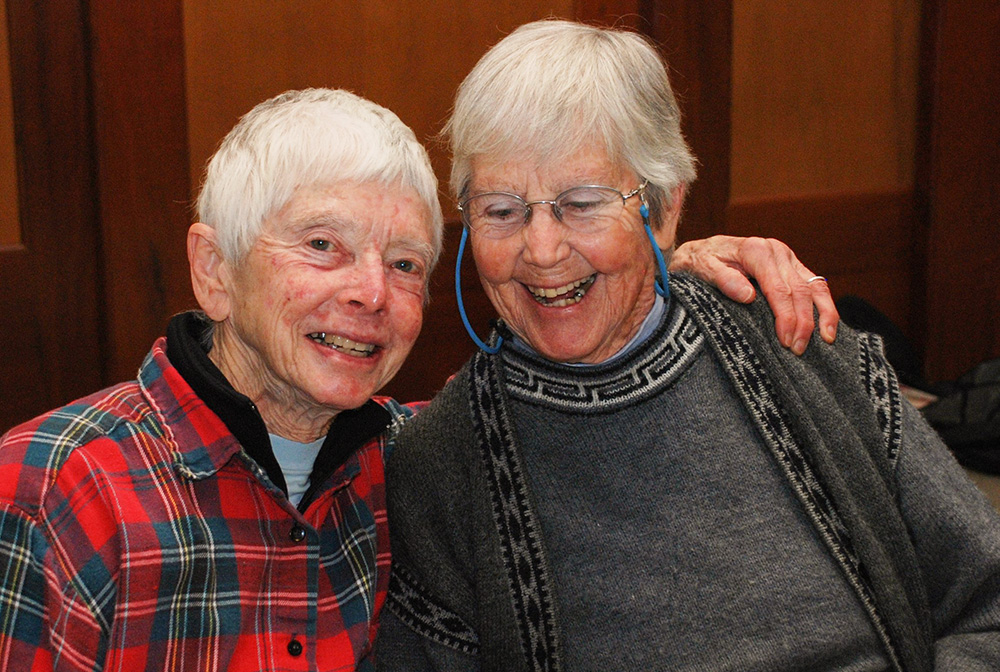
[588,164]
[361,208]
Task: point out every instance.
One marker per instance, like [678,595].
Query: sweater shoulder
[852,373]
[444,422]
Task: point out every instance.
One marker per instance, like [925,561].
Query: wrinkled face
[328,303]
[573,297]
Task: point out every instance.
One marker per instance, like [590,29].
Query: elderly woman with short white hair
[633,474]
[226,509]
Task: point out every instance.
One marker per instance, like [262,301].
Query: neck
[286,412]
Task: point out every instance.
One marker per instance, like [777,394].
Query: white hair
[552,85]
[308,138]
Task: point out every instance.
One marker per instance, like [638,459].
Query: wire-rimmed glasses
[587,209]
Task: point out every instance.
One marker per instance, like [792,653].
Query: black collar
[188,343]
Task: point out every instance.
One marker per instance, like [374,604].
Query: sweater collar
[646,369]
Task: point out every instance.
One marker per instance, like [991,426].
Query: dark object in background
[863,316]
[967,415]
[967,411]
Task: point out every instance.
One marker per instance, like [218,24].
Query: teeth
[578,288]
[342,344]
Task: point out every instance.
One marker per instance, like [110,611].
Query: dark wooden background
[115,106]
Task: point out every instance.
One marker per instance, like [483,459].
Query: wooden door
[49,344]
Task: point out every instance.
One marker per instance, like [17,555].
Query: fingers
[784,281]
[734,284]
[805,296]
[798,335]
[828,315]
[725,261]
[714,261]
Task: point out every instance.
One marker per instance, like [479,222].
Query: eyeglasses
[587,209]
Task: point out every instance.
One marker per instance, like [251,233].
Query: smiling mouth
[567,295]
[344,345]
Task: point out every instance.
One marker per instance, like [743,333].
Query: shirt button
[295,648]
[297,534]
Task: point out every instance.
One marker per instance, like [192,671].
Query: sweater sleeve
[426,622]
[956,533]
[402,649]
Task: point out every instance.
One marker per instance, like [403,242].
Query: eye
[320,244]
[504,212]
[406,266]
[585,201]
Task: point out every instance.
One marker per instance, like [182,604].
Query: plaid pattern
[136,535]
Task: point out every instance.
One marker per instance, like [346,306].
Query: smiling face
[325,307]
[574,297]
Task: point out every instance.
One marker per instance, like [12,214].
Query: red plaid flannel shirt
[136,535]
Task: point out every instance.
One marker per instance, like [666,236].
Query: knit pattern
[883,389]
[414,606]
[611,387]
[520,533]
[755,388]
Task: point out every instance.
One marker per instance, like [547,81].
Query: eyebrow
[326,219]
[318,220]
[422,248]
[570,183]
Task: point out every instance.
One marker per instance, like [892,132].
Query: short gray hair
[308,138]
[551,85]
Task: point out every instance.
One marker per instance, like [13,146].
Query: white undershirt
[296,462]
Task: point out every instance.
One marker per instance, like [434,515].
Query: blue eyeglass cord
[492,350]
[662,285]
[662,288]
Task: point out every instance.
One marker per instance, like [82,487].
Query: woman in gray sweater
[633,474]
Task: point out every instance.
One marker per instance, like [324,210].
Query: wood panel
[10,225]
[862,243]
[823,142]
[958,193]
[142,166]
[632,14]
[407,56]
[824,96]
[696,39]
[50,349]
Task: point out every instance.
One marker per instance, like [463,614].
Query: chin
[561,354]
[339,399]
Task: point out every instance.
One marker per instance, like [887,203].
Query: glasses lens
[590,208]
[495,214]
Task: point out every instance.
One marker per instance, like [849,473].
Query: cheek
[625,254]
[293,295]
[494,262]
[409,319]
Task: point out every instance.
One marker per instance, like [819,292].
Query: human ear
[210,272]
[666,235]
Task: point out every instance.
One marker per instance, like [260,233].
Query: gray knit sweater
[702,504]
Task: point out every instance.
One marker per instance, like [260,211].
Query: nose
[365,285]
[544,237]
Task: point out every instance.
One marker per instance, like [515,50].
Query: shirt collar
[198,386]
